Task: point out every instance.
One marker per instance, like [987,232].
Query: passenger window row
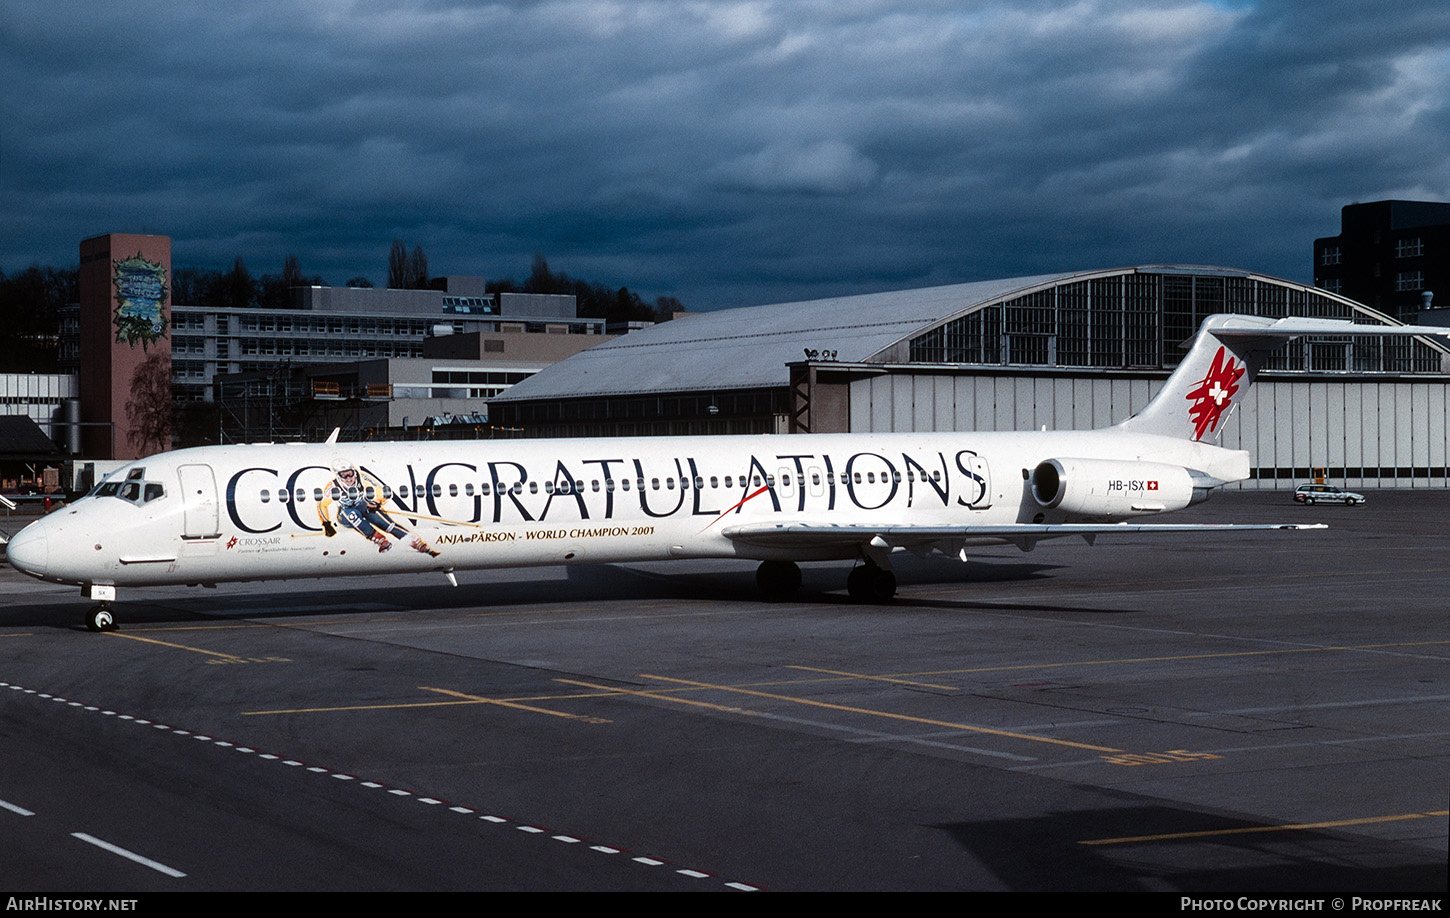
[699,483]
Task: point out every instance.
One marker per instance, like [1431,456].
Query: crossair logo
[1213,394]
[233,542]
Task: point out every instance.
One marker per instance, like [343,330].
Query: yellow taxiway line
[217,655]
[514,704]
[904,678]
[1249,830]
[969,728]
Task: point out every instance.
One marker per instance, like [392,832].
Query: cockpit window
[134,488]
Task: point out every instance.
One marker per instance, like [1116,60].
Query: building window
[1409,247]
[1406,281]
[1329,255]
[1139,320]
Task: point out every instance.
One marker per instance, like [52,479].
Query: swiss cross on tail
[1214,393]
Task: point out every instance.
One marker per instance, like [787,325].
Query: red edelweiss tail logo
[1213,394]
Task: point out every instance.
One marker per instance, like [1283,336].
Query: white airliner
[272,511]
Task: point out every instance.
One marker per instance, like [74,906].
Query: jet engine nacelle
[1110,487]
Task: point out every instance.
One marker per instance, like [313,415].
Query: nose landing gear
[99,618]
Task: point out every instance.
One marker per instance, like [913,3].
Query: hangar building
[1063,351]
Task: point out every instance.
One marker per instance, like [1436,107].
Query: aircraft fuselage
[232,513]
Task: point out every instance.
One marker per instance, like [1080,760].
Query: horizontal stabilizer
[1295,326]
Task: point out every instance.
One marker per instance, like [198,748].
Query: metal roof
[22,438]
[749,347]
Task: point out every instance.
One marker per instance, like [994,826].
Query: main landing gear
[868,583]
[99,618]
[872,584]
[778,579]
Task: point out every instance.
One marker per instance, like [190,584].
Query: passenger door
[199,503]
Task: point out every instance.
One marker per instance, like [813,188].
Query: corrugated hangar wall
[1386,434]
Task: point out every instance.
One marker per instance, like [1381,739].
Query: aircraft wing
[807,536]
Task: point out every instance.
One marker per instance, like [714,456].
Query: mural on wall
[141,294]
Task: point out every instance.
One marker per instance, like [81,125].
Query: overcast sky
[727,153]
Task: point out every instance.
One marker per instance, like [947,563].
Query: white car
[1311,493]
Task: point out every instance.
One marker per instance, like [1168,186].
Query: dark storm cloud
[725,153]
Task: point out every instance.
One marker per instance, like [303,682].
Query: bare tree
[30,304]
[398,266]
[592,300]
[189,286]
[292,272]
[541,279]
[149,408]
[276,290]
[239,290]
[418,269]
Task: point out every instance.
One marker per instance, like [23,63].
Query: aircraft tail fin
[1221,364]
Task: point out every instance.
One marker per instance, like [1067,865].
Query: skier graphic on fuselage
[358,500]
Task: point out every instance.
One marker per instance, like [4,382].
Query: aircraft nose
[28,552]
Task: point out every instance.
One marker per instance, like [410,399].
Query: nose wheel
[99,618]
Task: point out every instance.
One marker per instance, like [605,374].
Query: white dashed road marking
[129,855]
[18,810]
[317,769]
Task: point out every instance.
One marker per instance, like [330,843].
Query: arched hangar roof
[750,347]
